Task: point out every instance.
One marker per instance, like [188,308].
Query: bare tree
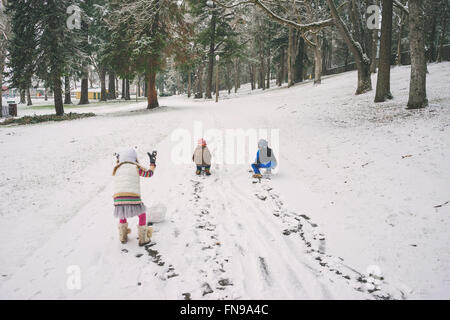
[417,90]
[384,73]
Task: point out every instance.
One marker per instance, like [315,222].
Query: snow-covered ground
[362,188]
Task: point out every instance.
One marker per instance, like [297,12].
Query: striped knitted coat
[127,189]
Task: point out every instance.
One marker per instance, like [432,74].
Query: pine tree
[22,44]
[140,33]
[4,36]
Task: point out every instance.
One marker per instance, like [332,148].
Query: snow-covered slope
[361,188]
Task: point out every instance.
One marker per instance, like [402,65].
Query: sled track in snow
[309,233]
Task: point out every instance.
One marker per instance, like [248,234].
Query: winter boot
[207,172]
[145,233]
[198,172]
[123,232]
[257,176]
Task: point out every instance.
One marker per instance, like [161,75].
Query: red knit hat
[202,142]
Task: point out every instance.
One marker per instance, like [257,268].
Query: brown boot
[145,233]
[123,232]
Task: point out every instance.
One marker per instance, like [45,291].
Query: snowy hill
[362,189]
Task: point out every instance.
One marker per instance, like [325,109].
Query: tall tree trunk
[103,95]
[361,59]
[432,37]
[2,68]
[138,87]
[236,75]
[123,89]
[112,86]
[252,76]
[298,60]
[268,71]
[374,51]
[67,96]
[84,99]
[29,102]
[228,78]
[212,44]
[317,60]
[444,26]
[189,84]
[282,67]
[152,96]
[199,83]
[57,94]
[146,86]
[290,58]
[22,96]
[127,90]
[239,74]
[383,91]
[398,60]
[418,84]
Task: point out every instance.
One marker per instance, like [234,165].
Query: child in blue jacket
[265,158]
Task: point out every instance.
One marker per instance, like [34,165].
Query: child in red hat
[202,158]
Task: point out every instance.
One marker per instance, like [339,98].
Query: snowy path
[295,236]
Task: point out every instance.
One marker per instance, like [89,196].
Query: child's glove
[152,157]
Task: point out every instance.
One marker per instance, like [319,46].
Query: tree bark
[374,51]
[398,60]
[29,102]
[290,58]
[212,45]
[317,60]
[112,86]
[383,91]
[103,95]
[418,90]
[189,84]
[67,96]
[236,76]
[443,32]
[84,99]
[282,67]
[127,90]
[57,93]
[252,76]
[2,68]
[22,96]
[152,96]
[199,83]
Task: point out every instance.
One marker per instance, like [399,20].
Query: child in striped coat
[127,194]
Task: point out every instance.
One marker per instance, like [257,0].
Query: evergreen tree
[22,44]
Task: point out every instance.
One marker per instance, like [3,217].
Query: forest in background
[197,47]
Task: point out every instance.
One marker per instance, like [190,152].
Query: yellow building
[94,94]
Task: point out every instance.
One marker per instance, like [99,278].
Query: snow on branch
[302,27]
[398,4]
